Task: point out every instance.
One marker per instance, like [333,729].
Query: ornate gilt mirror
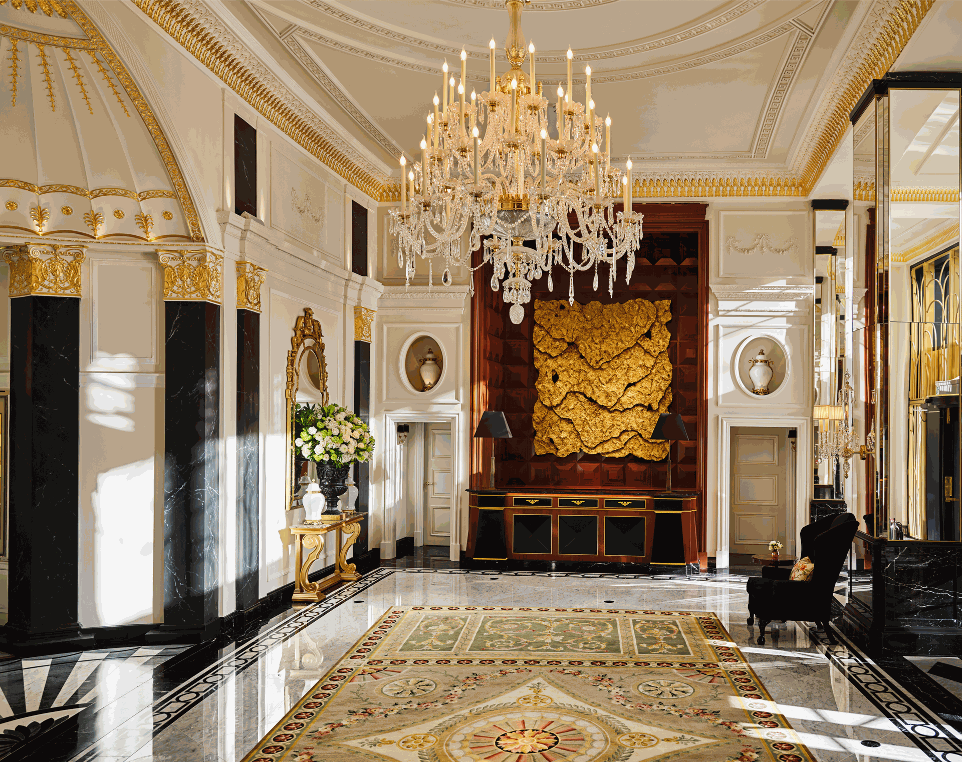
[306,383]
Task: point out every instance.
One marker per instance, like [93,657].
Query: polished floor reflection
[842,705]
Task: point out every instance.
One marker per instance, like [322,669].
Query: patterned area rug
[491,684]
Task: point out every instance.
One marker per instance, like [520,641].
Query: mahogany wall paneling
[672,263]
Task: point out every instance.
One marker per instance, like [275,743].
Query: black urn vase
[332,481]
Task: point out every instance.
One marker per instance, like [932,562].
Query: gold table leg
[347,572]
[304,589]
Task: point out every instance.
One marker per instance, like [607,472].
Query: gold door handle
[428,484]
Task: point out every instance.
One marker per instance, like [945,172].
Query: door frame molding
[393,473]
[803,465]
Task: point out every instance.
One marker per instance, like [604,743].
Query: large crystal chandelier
[540,192]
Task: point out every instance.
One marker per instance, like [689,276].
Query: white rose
[312,430]
[306,452]
[343,449]
[298,442]
[318,450]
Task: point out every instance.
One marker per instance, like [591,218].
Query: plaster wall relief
[762,245]
[298,201]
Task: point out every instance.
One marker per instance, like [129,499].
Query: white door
[438,484]
[760,488]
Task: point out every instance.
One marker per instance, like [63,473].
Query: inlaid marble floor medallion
[498,684]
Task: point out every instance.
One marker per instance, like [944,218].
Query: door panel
[438,485]
[759,489]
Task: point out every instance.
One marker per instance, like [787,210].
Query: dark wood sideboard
[655,529]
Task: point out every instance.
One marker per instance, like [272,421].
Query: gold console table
[311,537]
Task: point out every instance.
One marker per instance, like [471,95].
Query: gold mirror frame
[308,337]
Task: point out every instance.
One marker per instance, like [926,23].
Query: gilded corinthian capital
[192,276]
[249,280]
[44,269]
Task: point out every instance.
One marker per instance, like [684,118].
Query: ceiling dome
[83,153]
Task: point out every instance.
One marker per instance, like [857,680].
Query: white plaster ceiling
[713,85]
[77,150]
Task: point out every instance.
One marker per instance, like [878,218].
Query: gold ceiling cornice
[177,20]
[890,31]
[890,28]
[945,234]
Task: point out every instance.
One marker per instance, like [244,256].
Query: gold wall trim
[363,319]
[48,7]
[927,245]
[249,280]
[864,190]
[192,276]
[44,269]
[186,28]
[76,190]
[924,194]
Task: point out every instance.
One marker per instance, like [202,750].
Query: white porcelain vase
[760,372]
[430,370]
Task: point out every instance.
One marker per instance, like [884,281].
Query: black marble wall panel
[362,406]
[245,167]
[44,466]
[248,457]
[191,490]
[358,239]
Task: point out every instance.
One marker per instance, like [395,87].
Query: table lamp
[670,426]
[493,425]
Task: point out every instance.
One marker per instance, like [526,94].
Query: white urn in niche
[760,372]
[429,369]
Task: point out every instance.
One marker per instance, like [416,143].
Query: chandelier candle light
[493,169]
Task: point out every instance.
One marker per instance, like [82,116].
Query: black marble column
[362,407]
[248,457]
[44,467]
[191,488]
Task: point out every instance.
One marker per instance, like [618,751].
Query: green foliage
[331,433]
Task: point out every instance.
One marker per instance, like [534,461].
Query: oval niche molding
[774,351]
[422,360]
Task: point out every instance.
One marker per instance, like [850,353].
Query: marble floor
[843,706]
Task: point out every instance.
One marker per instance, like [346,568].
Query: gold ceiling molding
[97,47]
[48,7]
[707,186]
[363,318]
[249,280]
[925,194]
[944,235]
[603,377]
[864,190]
[192,276]
[75,190]
[213,45]
[44,269]
[887,30]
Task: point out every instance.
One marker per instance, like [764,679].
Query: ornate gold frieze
[48,7]
[192,276]
[249,280]
[363,319]
[44,270]
[75,190]
[603,377]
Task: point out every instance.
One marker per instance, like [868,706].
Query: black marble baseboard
[404,547]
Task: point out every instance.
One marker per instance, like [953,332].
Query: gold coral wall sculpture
[603,377]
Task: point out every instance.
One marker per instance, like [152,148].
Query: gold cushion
[802,570]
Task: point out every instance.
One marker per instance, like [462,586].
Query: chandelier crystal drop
[499,173]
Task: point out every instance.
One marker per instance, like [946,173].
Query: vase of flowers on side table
[334,438]
[774,546]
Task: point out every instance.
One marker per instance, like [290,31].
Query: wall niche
[422,364]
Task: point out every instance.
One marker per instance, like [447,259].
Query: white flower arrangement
[331,433]
[774,546]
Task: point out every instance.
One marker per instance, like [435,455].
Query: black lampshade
[493,425]
[670,426]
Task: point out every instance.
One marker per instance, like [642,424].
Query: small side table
[765,559]
[311,537]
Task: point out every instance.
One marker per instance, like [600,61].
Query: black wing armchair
[774,596]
